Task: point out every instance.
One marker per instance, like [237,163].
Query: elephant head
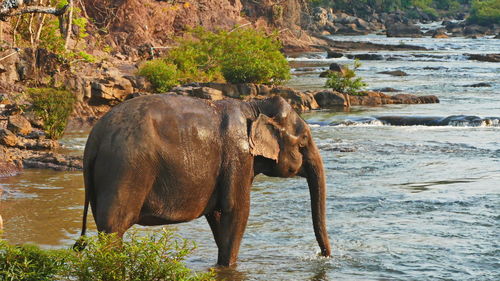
[282,144]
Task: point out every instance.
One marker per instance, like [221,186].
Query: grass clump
[137,258]
[53,106]
[346,81]
[243,55]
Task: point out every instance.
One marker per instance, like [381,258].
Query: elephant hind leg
[118,211]
[113,219]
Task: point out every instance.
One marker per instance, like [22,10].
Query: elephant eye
[303,141]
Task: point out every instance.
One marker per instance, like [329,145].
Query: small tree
[53,106]
[346,81]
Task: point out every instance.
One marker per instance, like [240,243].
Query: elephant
[166,159]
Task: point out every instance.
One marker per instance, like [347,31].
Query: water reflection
[42,206]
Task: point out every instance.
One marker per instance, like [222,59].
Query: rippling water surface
[404,202]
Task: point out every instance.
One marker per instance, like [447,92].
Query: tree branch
[6,12]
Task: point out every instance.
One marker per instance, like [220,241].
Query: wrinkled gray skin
[165,159]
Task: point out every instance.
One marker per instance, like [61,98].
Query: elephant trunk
[314,172]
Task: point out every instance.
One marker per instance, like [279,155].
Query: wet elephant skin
[165,159]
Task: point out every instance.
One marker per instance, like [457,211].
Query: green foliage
[252,57]
[198,58]
[243,55]
[485,12]
[162,75]
[346,81]
[137,258]
[53,106]
[29,263]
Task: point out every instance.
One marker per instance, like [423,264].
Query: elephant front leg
[228,228]
[229,220]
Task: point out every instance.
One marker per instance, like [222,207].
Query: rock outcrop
[300,101]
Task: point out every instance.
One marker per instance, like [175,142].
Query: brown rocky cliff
[135,23]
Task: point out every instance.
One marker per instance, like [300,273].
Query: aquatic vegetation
[346,81]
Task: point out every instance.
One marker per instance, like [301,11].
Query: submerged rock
[387,90]
[366,56]
[478,85]
[394,73]
[334,55]
[484,57]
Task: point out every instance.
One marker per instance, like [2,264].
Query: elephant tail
[89,188]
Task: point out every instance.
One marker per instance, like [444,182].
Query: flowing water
[413,202]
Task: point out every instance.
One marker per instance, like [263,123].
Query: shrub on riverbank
[151,257]
[28,262]
[53,106]
[346,81]
[243,55]
[162,75]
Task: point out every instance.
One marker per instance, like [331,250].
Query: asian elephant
[165,159]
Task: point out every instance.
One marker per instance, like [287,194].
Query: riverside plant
[243,55]
[138,257]
[346,81]
[53,106]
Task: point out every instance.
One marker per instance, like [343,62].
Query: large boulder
[334,68]
[207,93]
[230,90]
[19,125]
[113,86]
[8,138]
[300,101]
[329,98]
[398,29]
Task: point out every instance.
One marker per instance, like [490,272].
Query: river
[404,202]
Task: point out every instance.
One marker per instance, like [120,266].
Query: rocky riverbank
[326,21]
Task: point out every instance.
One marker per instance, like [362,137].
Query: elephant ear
[263,139]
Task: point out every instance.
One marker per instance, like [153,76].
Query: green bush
[485,12]
[137,258]
[29,263]
[53,106]
[346,81]
[243,55]
[252,57]
[198,57]
[163,76]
